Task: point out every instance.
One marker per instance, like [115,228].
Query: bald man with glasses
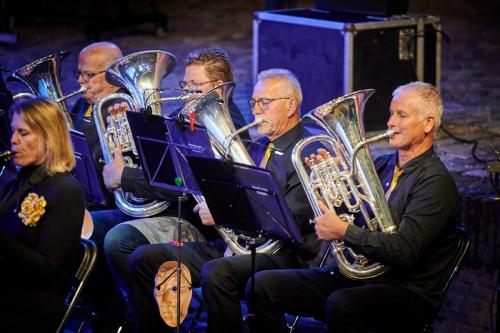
[93,60]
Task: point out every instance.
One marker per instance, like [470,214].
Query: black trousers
[223,281]
[344,305]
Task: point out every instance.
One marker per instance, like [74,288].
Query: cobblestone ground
[470,87]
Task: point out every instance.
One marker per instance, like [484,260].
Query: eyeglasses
[184,84]
[86,76]
[263,102]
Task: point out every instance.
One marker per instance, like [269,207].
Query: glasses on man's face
[191,83]
[86,76]
[263,102]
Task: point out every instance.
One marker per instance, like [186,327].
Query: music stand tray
[245,198]
[85,171]
[163,145]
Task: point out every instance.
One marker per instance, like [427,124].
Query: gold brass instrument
[43,78]
[347,177]
[211,111]
[141,74]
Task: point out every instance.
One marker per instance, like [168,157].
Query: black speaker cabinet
[335,54]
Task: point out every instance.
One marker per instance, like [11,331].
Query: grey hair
[427,99]
[292,87]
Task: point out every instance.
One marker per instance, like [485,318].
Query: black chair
[88,252]
[461,248]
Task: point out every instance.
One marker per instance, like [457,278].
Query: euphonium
[141,74]
[347,177]
[211,111]
[43,78]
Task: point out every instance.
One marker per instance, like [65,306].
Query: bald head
[103,53]
[93,61]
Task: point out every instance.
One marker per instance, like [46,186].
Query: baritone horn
[141,74]
[43,78]
[346,178]
[211,111]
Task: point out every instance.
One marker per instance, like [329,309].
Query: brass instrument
[141,74]
[43,78]
[211,111]
[4,159]
[346,177]
[186,96]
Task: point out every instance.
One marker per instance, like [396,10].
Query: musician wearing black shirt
[422,198]
[276,100]
[41,215]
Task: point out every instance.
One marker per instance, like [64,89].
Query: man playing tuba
[276,101]
[205,70]
[422,197]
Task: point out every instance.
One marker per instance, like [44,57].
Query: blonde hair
[291,83]
[426,99]
[47,120]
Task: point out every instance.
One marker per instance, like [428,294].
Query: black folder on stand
[163,145]
[245,198]
[85,170]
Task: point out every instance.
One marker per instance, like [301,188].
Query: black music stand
[246,199]
[163,145]
[85,171]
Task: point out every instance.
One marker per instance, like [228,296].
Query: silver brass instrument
[186,96]
[211,111]
[141,74]
[346,177]
[5,157]
[43,78]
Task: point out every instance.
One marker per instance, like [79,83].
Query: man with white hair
[422,197]
[276,100]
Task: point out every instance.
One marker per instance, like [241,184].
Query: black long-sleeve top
[423,206]
[37,261]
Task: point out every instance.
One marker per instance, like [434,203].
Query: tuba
[141,74]
[346,177]
[211,111]
[43,78]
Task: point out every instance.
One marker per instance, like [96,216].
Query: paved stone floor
[470,64]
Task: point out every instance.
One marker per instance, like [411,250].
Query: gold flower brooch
[32,209]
